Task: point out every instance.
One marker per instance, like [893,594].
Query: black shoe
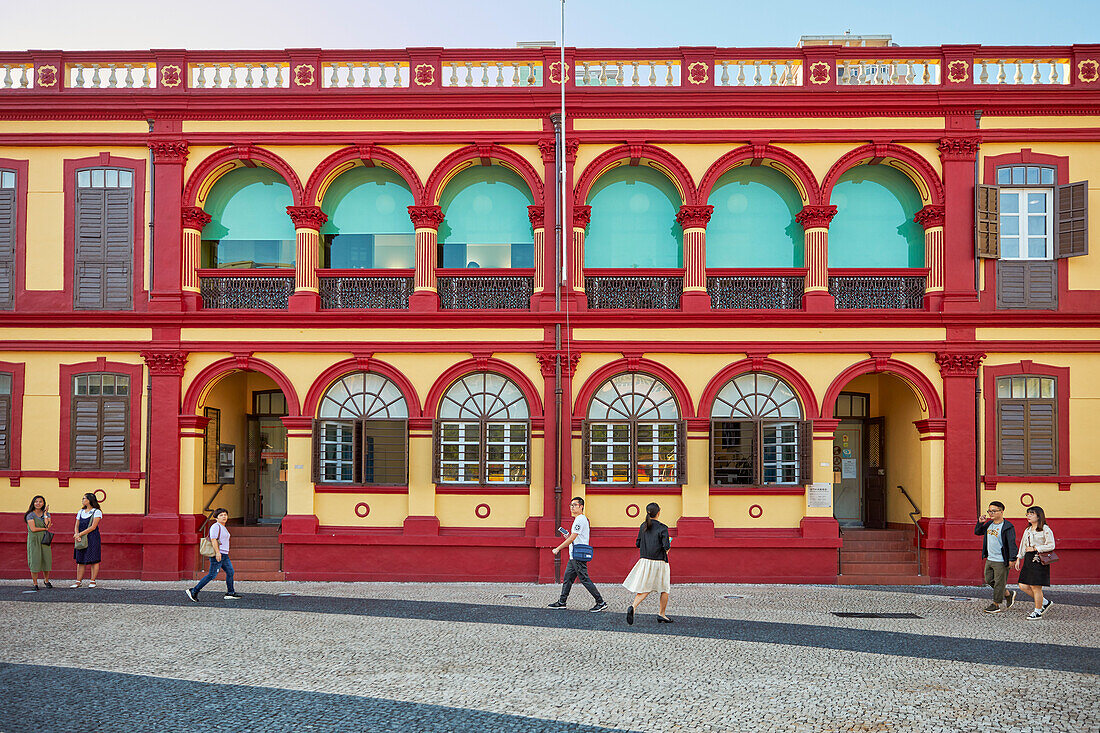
[193,596]
[231,596]
[630,615]
[1010,598]
[600,606]
[557,604]
[48,584]
[34,589]
[663,620]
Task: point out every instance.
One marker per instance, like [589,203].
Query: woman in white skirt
[650,573]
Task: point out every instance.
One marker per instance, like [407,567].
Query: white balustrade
[873,72]
[105,75]
[230,75]
[1021,71]
[492,74]
[365,75]
[16,76]
[758,73]
[627,73]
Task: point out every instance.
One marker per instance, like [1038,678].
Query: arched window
[634,221]
[757,434]
[368,221]
[874,226]
[361,432]
[753,222]
[485,221]
[483,432]
[249,226]
[634,434]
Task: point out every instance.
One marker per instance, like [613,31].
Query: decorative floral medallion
[47,76]
[171,76]
[958,71]
[556,75]
[424,75]
[303,75]
[1088,71]
[819,73]
[698,72]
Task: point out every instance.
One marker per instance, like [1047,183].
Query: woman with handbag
[39,537]
[86,540]
[1036,554]
[218,549]
[651,572]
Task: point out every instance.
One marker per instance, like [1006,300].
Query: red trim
[249,153]
[755,154]
[231,364]
[1025,157]
[633,154]
[916,379]
[15,426]
[878,272]
[246,272]
[879,151]
[19,279]
[1061,391]
[763,364]
[64,300]
[357,364]
[492,152]
[648,489]
[359,154]
[365,272]
[631,364]
[485,271]
[479,490]
[757,490]
[635,271]
[757,271]
[483,364]
[137,389]
[356,489]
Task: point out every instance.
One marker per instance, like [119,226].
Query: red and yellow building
[803,294]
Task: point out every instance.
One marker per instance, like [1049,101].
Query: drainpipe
[556,120]
[978,373]
[152,261]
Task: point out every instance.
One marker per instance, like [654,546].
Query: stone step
[253,530]
[876,534]
[878,568]
[877,547]
[237,541]
[242,554]
[239,575]
[884,579]
[847,555]
[247,566]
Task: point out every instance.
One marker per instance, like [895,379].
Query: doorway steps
[879,557]
[255,552]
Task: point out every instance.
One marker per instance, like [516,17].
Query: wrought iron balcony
[897,292]
[350,289]
[485,291]
[643,292]
[269,289]
[770,292]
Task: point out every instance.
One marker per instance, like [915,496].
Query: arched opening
[249,226]
[873,226]
[753,222]
[633,222]
[368,221]
[483,432]
[361,434]
[485,221]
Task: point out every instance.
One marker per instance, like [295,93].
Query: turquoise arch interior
[485,219]
[248,220]
[368,220]
[633,222]
[873,226]
[753,222]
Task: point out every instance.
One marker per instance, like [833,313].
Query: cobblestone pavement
[131,656]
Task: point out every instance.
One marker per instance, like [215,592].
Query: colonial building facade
[822,304]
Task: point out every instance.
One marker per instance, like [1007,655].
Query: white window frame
[1022,216]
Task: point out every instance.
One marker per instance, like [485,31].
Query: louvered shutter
[7,248]
[437,453]
[315,470]
[681,453]
[1012,437]
[987,225]
[5,431]
[84,431]
[1042,454]
[805,452]
[1042,284]
[1011,284]
[118,249]
[90,253]
[115,434]
[1071,222]
[586,453]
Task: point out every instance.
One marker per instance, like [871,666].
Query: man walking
[577,569]
[998,550]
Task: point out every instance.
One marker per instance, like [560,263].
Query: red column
[426,220]
[957,155]
[193,220]
[550,250]
[582,215]
[931,218]
[308,221]
[169,158]
[959,370]
[693,220]
[537,215]
[815,223]
[161,555]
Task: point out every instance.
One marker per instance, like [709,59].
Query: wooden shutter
[115,434]
[118,249]
[987,225]
[681,453]
[1042,441]
[805,452]
[1012,437]
[7,248]
[5,431]
[1031,284]
[586,451]
[84,432]
[90,254]
[734,447]
[315,449]
[437,453]
[1071,220]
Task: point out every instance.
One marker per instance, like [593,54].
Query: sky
[228,24]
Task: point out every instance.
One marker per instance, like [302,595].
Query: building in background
[822,303]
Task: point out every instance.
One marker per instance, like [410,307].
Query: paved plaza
[135,656]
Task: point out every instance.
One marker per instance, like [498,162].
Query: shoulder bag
[206,546]
[582,552]
[47,538]
[1046,558]
[82,542]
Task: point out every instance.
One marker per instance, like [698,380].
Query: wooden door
[252,473]
[874,474]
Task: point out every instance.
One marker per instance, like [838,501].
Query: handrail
[205,509]
[913,516]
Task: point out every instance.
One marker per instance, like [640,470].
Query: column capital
[581,216]
[824,428]
[815,217]
[546,150]
[568,363]
[298,423]
[194,217]
[537,215]
[307,217]
[165,363]
[694,217]
[964,149]
[931,428]
[426,217]
[956,364]
[169,151]
[930,216]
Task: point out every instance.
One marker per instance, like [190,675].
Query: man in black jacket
[998,550]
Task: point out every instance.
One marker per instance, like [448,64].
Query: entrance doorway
[265,482]
[859,464]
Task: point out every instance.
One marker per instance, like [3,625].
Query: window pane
[384,452]
[112,178]
[609,449]
[1010,202]
[125,179]
[1004,175]
[7,179]
[97,178]
[5,383]
[1018,388]
[122,385]
[1031,387]
[1037,225]
[108,383]
[1019,174]
[1004,387]
[1046,388]
[1047,176]
[84,179]
[1037,247]
[1032,175]
[1036,203]
[1010,225]
[1010,248]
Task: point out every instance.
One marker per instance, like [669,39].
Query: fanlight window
[757,434]
[483,433]
[361,433]
[634,435]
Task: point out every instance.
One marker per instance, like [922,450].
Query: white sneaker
[75,585]
[1035,615]
[1046,604]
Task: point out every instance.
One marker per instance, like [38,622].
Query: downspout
[152,260]
[556,120]
[977,372]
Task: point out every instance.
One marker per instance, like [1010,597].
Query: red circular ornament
[100,495]
[362,509]
[1027,499]
[633,510]
[756,511]
[482,511]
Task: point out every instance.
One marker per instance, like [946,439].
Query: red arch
[251,155]
[803,174]
[389,159]
[888,151]
[469,366]
[231,364]
[915,378]
[682,178]
[511,159]
[655,369]
[347,366]
[778,369]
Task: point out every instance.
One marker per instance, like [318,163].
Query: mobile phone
[562,532]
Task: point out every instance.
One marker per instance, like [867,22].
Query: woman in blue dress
[86,540]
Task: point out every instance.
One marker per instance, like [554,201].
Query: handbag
[1046,558]
[81,543]
[582,552]
[206,547]
[47,538]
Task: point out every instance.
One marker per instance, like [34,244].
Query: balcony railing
[643,292]
[771,291]
[485,290]
[371,289]
[885,291]
[265,289]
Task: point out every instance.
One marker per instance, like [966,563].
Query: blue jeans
[215,566]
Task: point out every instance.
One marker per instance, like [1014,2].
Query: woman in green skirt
[39,557]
